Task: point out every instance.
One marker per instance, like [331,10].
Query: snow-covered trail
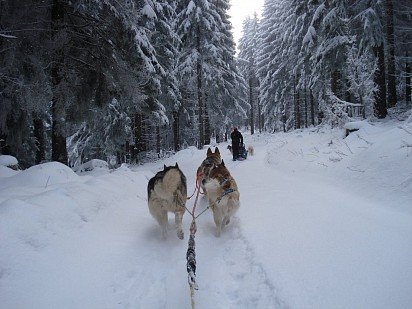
[303,241]
[323,246]
[229,275]
[305,236]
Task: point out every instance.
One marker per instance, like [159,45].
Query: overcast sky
[240,10]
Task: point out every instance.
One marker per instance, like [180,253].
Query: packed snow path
[324,222]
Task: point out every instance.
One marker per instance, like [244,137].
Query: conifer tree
[247,65]
[207,65]
[390,33]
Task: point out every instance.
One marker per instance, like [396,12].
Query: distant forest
[132,80]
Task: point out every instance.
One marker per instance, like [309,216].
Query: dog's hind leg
[161,217]
[159,213]
[217,216]
[164,223]
[178,223]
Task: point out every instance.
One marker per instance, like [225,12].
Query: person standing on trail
[237,140]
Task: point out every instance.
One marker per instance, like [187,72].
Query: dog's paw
[180,234]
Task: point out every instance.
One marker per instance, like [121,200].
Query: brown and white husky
[223,195]
[167,192]
[212,159]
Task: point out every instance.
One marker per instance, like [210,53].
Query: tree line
[313,61]
[120,80]
[115,79]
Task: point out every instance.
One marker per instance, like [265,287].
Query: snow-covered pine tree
[311,12]
[303,11]
[302,59]
[58,103]
[196,25]
[281,64]
[247,66]
[24,83]
[403,48]
[94,52]
[127,70]
[360,70]
[166,43]
[207,64]
[226,101]
[155,131]
[272,64]
[390,55]
[367,20]
[328,60]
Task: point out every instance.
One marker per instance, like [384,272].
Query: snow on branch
[7,36]
[341,102]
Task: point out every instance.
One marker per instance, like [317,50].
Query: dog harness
[228,191]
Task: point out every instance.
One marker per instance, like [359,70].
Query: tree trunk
[145,134]
[206,121]
[200,94]
[363,107]
[38,131]
[335,79]
[259,117]
[252,114]
[158,141]
[380,109]
[138,135]
[176,131]
[296,103]
[312,108]
[407,80]
[59,148]
[391,54]
[127,153]
[262,121]
[306,109]
[298,119]
[348,96]
[4,148]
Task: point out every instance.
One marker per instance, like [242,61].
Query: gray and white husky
[167,192]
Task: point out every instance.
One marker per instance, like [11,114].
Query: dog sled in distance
[243,152]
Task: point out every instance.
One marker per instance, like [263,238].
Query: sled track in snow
[250,286]
[227,273]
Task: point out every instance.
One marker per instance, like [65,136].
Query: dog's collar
[228,191]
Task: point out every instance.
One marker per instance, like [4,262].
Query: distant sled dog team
[167,192]
[237,148]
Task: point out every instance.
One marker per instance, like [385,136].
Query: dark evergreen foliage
[124,80]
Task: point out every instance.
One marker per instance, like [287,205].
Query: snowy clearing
[325,222]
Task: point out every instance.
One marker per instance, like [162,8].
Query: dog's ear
[217,151]
[209,152]
[177,165]
[164,166]
[223,163]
